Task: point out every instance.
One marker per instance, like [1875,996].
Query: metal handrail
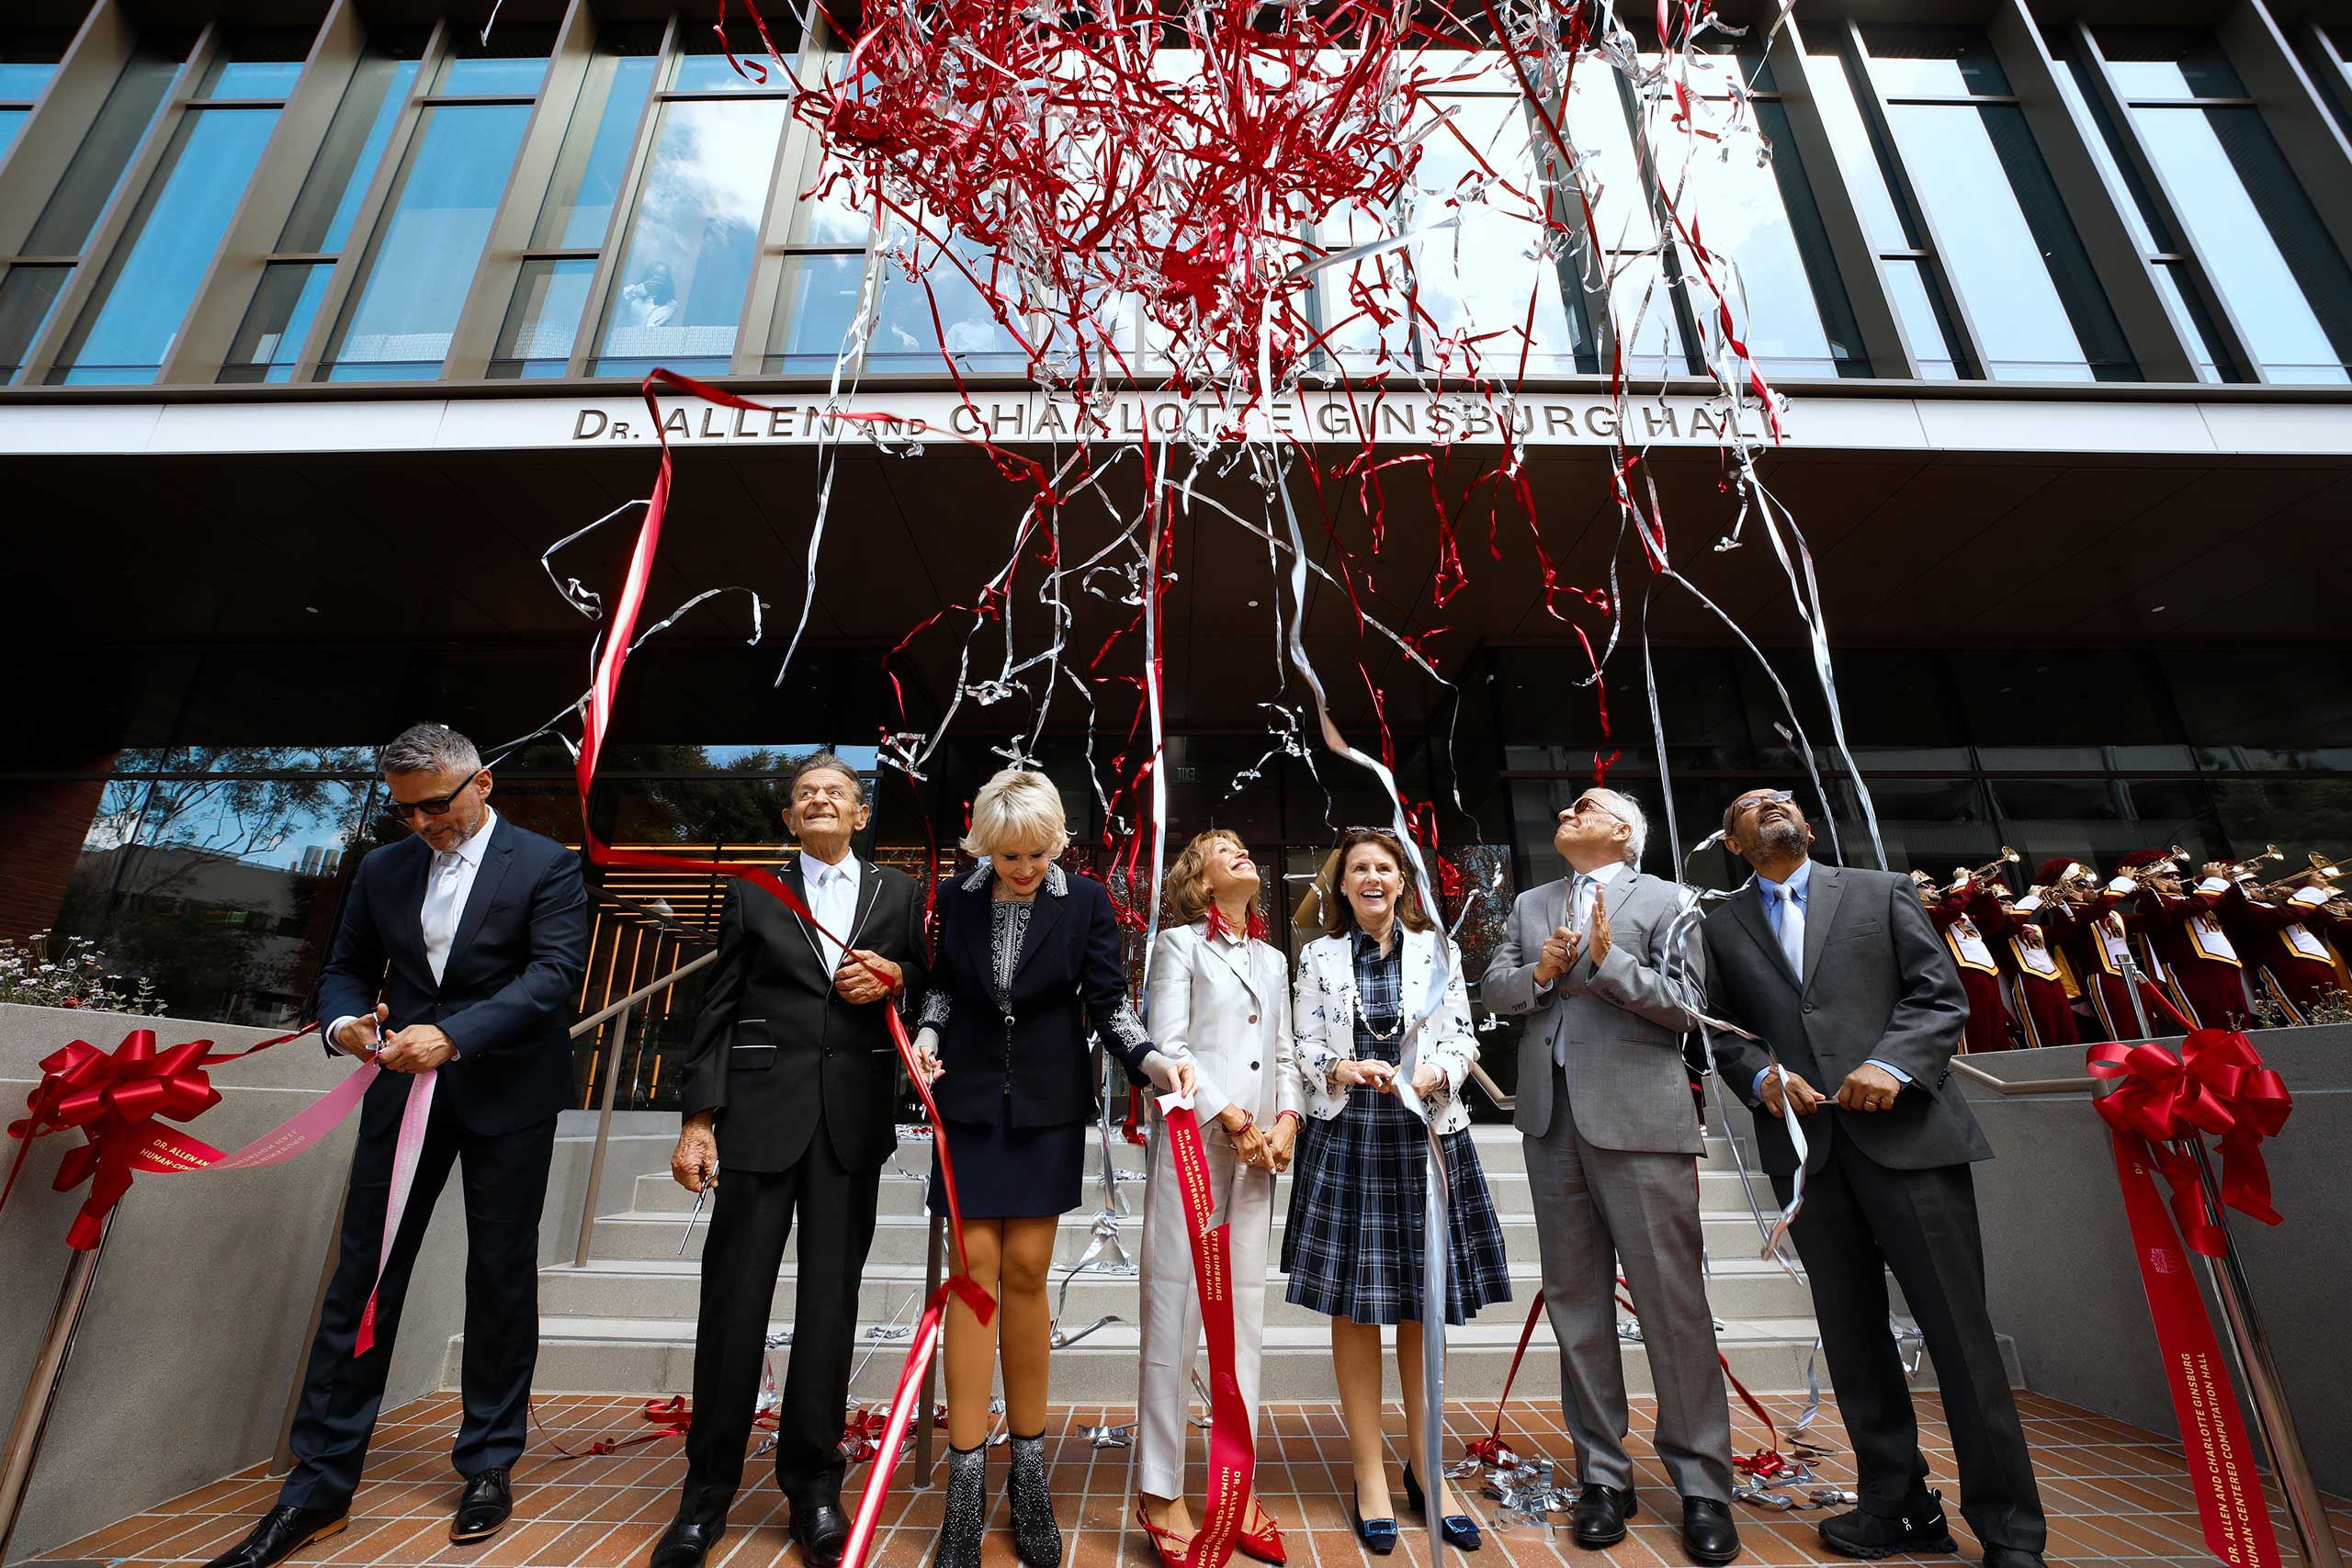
[630,1000]
[621,1009]
[1493,1090]
[1968,1069]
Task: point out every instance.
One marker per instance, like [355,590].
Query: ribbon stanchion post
[2158,1114]
[40,1386]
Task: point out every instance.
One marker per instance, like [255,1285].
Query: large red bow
[114,1099]
[2217,1085]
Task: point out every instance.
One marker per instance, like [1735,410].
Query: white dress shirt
[833,899]
[448,883]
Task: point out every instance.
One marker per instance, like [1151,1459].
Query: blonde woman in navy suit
[1220,999]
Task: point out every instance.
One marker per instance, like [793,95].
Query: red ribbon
[2217,1086]
[1232,1442]
[2161,1108]
[113,1100]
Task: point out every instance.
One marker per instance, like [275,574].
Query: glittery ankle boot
[1037,1538]
[967,1517]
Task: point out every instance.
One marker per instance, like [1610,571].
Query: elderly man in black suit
[459,952]
[1841,975]
[790,1091]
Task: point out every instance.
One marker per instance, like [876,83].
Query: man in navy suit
[459,954]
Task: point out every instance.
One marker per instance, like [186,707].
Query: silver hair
[827,763]
[1629,811]
[430,749]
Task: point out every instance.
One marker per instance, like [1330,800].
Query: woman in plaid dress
[1352,1246]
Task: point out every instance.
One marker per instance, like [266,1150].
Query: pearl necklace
[1355,998]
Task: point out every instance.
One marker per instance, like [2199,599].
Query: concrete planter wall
[2059,1253]
[196,1327]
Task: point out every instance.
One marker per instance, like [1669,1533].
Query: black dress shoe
[821,1532]
[2011,1557]
[1600,1515]
[283,1531]
[1708,1533]
[685,1543]
[486,1506]
[1920,1527]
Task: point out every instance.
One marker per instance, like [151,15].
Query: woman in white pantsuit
[1219,996]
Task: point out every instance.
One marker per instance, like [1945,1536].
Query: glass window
[330,198]
[1856,148]
[27,297]
[1924,321]
[543,319]
[1785,293]
[816,301]
[220,891]
[2007,245]
[703,67]
[256,65]
[277,322]
[595,163]
[510,64]
[441,210]
[914,313]
[168,250]
[98,164]
[27,60]
[2269,254]
[1492,277]
[688,262]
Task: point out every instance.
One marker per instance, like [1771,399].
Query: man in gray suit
[1612,1147]
[1841,976]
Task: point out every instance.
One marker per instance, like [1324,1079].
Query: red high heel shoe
[1167,1545]
[1265,1545]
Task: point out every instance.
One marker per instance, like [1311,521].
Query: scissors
[700,1199]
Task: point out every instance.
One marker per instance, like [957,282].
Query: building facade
[320,322]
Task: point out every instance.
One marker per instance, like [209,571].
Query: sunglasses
[410,811]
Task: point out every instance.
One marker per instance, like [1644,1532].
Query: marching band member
[2034,975]
[2092,929]
[2200,965]
[2287,938]
[1988,1027]
[1220,998]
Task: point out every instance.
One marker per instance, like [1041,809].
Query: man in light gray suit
[1612,1147]
[1860,1011]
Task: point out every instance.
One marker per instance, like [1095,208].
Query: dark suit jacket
[1072,977]
[775,1048]
[507,993]
[1878,984]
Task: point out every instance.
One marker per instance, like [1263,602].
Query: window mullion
[616,227]
[2168,214]
[2096,204]
[201,347]
[474,337]
[2313,146]
[82,285]
[1873,104]
[367,222]
[1884,343]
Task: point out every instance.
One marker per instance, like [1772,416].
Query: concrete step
[1500,1148]
[657,1289]
[658,1193]
[903,1240]
[650,1356]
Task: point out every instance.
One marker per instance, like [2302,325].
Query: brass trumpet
[1961,878]
[2320,870]
[2243,870]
